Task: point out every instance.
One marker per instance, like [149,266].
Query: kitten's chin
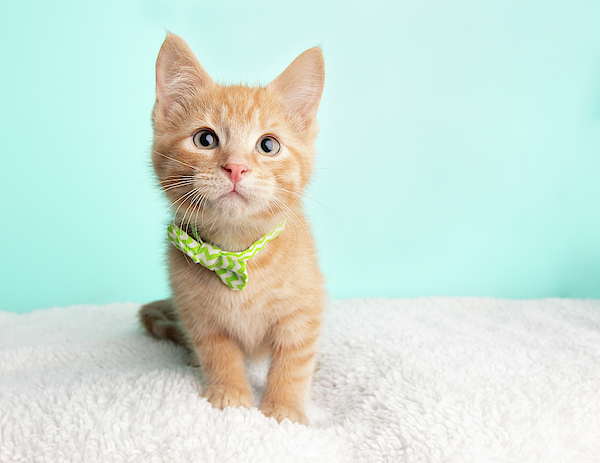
[234,205]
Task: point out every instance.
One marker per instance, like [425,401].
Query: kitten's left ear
[301,84]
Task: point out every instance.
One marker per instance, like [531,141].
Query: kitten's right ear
[178,74]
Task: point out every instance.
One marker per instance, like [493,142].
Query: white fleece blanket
[400,380]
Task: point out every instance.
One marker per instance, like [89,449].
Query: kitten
[234,162]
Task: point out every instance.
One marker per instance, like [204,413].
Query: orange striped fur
[279,311]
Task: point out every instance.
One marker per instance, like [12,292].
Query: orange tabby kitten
[234,161]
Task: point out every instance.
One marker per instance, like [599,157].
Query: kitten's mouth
[234,194]
[234,197]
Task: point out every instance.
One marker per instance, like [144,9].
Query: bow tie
[229,266]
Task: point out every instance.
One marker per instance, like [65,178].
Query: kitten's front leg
[223,365]
[291,371]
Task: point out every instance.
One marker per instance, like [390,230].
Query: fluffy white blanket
[400,380]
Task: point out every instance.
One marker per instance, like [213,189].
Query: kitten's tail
[161,321]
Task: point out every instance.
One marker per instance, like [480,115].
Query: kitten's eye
[205,139]
[268,146]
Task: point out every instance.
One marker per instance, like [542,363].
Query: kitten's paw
[221,397]
[281,412]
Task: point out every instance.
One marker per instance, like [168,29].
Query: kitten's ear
[301,84]
[178,74]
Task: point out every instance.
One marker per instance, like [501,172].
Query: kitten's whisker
[151,185]
[184,214]
[202,207]
[176,177]
[137,187]
[176,160]
[328,209]
[149,199]
[161,188]
[295,220]
[183,199]
[173,204]
[292,224]
[269,206]
[167,210]
[181,184]
[144,203]
[167,182]
[189,199]
[180,200]
[340,168]
[295,216]
[197,211]
[194,203]
[327,179]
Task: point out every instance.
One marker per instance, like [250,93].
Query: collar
[229,266]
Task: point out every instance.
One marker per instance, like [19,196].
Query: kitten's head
[233,153]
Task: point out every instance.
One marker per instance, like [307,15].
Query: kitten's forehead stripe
[243,115]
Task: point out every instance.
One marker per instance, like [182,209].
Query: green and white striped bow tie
[230,266]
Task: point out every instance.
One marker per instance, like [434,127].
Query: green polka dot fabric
[229,266]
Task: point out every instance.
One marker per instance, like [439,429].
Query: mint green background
[459,151]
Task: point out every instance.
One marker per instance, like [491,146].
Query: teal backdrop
[459,151]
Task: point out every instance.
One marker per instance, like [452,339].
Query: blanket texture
[399,380]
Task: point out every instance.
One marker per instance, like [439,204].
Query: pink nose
[235,171]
